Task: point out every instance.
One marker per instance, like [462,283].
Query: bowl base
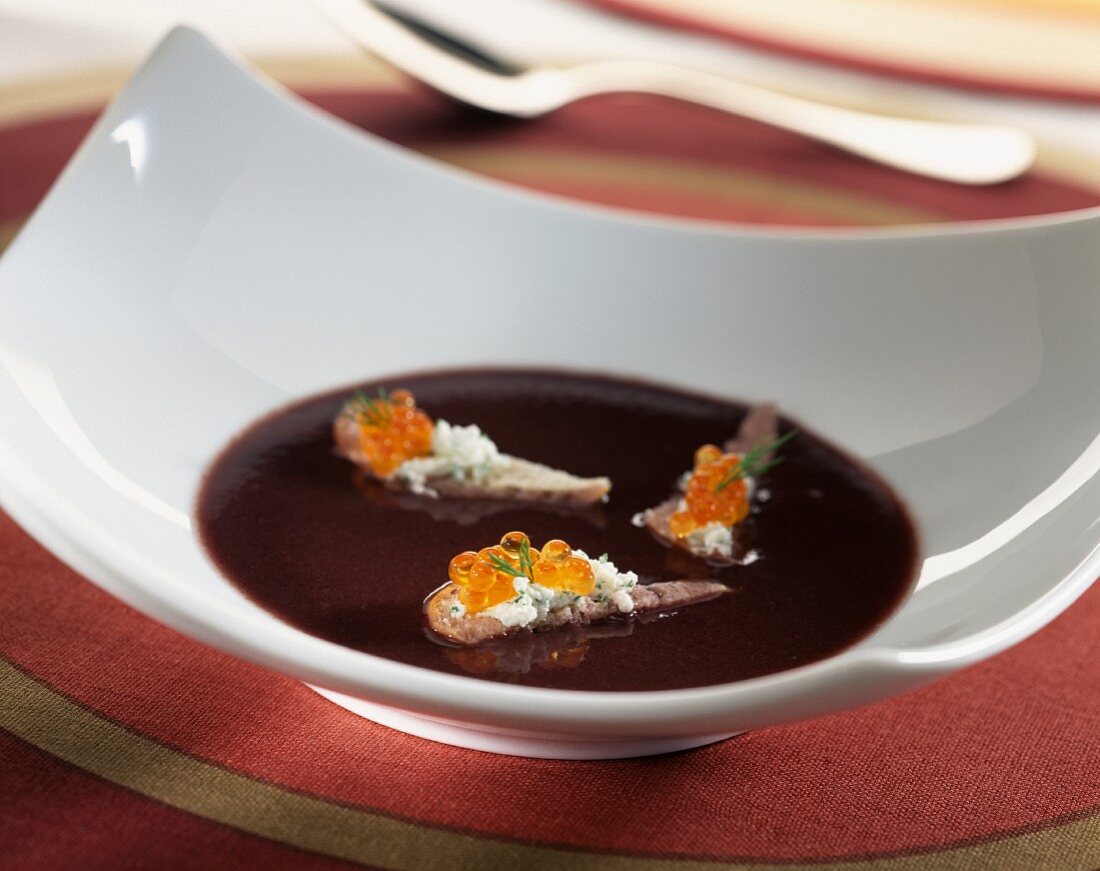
[508,742]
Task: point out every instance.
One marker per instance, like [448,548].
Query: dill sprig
[372,411]
[525,561]
[523,570]
[502,565]
[755,462]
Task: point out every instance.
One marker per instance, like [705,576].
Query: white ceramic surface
[217,248]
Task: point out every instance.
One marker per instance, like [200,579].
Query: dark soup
[825,554]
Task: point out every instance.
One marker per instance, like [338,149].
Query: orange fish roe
[711,495]
[391,429]
[487,578]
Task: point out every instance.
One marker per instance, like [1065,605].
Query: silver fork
[964,153]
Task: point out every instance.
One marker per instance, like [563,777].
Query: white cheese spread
[463,452]
[712,538]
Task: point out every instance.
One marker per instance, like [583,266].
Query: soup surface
[829,551]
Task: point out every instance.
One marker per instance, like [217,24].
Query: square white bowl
[217,248]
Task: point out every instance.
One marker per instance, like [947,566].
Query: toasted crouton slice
[449,620]
[508,479]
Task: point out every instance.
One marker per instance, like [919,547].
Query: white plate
[217,248]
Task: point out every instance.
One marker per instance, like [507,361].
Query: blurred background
[1031,63]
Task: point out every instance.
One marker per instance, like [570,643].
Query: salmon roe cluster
[391,430]
[711,495]
[487,578]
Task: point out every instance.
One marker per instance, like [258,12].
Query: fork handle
[964,153]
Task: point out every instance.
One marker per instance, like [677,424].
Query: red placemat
[124,744]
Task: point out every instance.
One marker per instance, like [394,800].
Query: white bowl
[217,248]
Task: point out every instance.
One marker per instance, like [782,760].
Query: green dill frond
[371,411]
[755,462]
[523,570]
[525,564]
[502,565]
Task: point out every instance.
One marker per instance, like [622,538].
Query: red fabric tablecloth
[126,745]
